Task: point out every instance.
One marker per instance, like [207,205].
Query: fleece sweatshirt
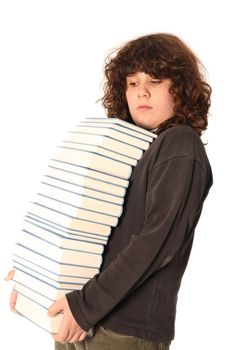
[136,291]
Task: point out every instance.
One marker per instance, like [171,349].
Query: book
[94,161]
[64,240]
[57,267]
[69,220]
[60,251]
[37,313]
[115,133]
[81,197]
[41,283]
[32,294]
[100,151]
[41,272]
[32,243]
[70,210]
[122,123]
[132,132]
[105,142]
[80,184]
[90,174]
[67,232]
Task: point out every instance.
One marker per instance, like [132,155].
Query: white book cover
[31,242]
[60,240]
[61,179]
[34,295]
[118,121]
[95,149]
[37,314]
[89,173]
[49,290]
[73,211]
[44,263]
[137,133]
[69,233]
[56,267]
[81,198]
[93,161]
[28,266]
[62,283]
[112,131]
[105,142]
[68,222]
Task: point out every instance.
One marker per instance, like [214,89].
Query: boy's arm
[174,201]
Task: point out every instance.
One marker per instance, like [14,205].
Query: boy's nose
[143,91]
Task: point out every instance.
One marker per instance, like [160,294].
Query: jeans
[104,339]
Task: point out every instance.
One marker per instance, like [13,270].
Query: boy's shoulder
[184,131]
[178,141]
[180,138]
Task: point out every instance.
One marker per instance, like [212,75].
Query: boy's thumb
[54,309]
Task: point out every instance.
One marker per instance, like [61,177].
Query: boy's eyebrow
[132,75]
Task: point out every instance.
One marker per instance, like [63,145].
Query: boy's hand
[10,275]
[70,331]
[13,297]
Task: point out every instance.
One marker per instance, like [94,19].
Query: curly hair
[162,56]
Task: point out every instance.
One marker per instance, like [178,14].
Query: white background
[51,68]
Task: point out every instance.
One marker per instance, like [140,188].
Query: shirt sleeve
[174,197]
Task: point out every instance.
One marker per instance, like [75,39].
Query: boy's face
[149,100]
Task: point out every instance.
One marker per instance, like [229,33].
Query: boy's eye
[155,81]
[132,84]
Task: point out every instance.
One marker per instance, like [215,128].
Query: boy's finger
[10,275]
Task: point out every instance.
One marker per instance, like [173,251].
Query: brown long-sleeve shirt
[136,291]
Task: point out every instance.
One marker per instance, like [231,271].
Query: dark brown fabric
[136,290]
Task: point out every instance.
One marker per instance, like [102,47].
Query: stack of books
[69,221]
